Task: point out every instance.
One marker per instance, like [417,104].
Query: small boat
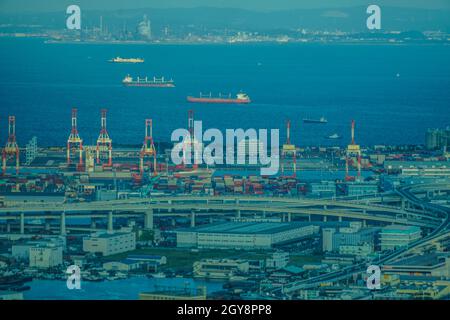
[157,275]
[322,120]
[334,136]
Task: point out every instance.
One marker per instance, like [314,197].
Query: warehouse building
[392,237]
[110,243]
[429,265]
[244,235]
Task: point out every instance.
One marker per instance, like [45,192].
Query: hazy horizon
[30,6]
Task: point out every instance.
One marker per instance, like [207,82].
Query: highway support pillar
[8,227]
[340,218]
[289,217]
[22,223]
[110,222]
[325,219]
[47,225]
[238,214]
[148,219]
[93,223]
[63,224]
[192,219]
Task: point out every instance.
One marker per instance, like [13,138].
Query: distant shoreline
[181,43]
[48,40]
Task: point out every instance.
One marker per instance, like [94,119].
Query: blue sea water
[40,83]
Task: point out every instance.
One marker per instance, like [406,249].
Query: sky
[17,6]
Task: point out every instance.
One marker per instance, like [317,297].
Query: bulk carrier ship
[240,98]
[322,120]
[145,82]
[126,60]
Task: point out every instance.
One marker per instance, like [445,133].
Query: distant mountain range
[209,18]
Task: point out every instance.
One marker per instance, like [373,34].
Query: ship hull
[128,62]
[314,121]
[218,100]
[151,85]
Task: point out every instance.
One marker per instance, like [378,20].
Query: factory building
[411,167]
[352,240]
[437,138]
[244,235]
[219,268]
[46,256]
[430,265]
[361,188]
[323,189]
[21,250]
[392,237]
[110,243]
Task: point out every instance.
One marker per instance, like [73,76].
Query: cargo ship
[322,120]
[126,60]
[240,98]
[145,82]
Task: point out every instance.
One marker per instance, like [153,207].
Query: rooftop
[106,235]
[426,260]
[143,257]
[400,229]
[247,227]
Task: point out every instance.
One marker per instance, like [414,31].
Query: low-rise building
[424,290]
[126,265]
[323,189]
[277,260]
[148,258]
[361,188]
[362,250]
[349,238]
[46,256]
[11,295]
[219,268]
[395,236]
[21,249]
[244,235]
[110,243]
[432,265]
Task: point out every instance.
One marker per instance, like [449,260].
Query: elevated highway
[441,231]
[208,205]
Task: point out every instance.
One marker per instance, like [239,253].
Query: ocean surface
[394,92]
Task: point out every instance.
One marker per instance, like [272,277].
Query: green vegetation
[182,259]
[147,235]
[301,260]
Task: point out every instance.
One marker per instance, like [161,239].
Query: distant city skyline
[17,6]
